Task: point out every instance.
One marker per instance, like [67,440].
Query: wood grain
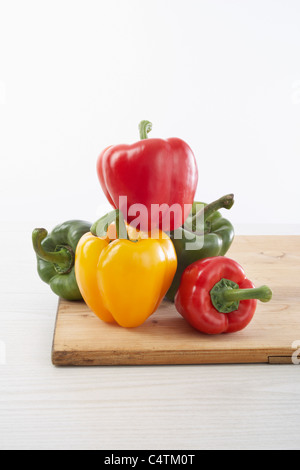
[82,339]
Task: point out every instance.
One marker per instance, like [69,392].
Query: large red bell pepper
[216,297]
[153,172]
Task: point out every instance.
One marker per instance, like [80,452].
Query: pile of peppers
[124,265]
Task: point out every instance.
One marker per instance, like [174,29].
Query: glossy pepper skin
[150,172]
[124,280]
[215,240]
[216,297]
[56,255]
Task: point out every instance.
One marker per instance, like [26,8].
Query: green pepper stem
[225,202]
[100,227]
[120,226]
[226,295]
[145,127]
[263,293]
[63,258]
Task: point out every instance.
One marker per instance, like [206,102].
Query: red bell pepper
[216,297]
[150,172]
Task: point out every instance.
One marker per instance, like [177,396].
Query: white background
[76,77]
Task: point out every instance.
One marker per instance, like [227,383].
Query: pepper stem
[120,226]
[100,227]
[226,295]
[263,293]
[62,258]
[145,127]
[225,202]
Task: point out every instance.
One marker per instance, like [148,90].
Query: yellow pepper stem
[100,228]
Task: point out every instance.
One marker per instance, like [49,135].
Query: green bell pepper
[56,255]
[214,239]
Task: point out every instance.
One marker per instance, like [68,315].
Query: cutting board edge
[105,358]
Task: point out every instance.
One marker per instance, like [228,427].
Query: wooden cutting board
[81,339]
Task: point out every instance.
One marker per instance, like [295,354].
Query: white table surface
[165,407]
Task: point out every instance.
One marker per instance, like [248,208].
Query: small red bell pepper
[151,172]
[216,297]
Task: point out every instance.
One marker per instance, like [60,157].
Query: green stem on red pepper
[226,295]
[145,127]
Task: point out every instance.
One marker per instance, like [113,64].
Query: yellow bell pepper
[125,280]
